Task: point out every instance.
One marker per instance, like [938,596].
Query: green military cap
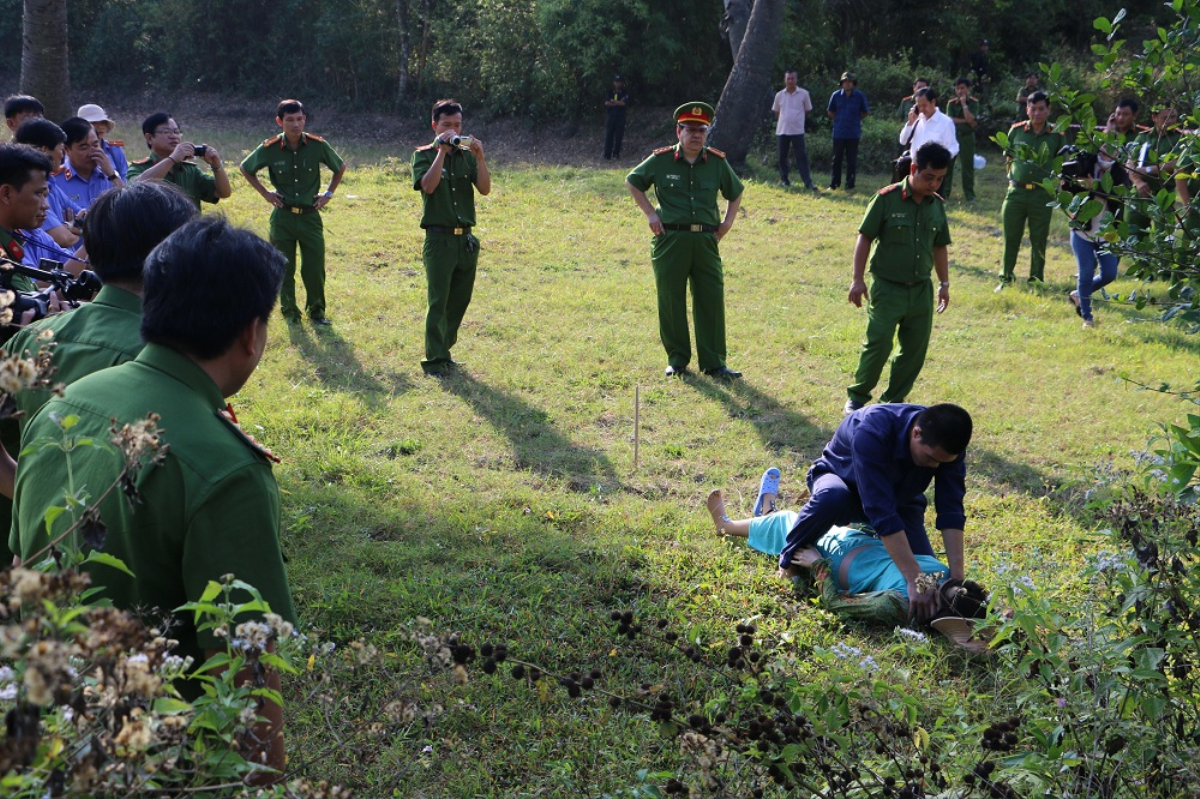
[695,112]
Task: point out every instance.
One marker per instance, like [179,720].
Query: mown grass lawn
[504,502]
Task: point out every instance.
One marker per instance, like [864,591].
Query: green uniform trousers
[966,161]
[450,263]
[904,312]
[1023,205]
[286,230]
[680,257]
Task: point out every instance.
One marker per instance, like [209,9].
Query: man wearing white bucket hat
[104,126]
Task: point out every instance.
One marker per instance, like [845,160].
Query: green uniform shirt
[211,508]
[954,110]
[1150,149]
[904,233]
[295,174]
[452,203]
[195,182]
[12,249]
[687,193]
[905,106]
[1032,153]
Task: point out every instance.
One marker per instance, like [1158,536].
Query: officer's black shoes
[851,406]
[724,374]
[676,371]
[320,321]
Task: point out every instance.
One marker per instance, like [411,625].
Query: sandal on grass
[768,485]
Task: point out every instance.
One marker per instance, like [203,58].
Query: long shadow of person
[337,367]
[536,444]
[779,427]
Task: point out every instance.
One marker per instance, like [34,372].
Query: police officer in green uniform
[122,227]
[905,234]
[1032,146]
[1152,158]
[687,227]
[211,508]
[293,159]
[963,109]
[447,172]
[169,161]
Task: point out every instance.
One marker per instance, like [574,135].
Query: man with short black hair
[926,123]
[21,107]
[847,108]
[88,171]
[448,174]
[1032,146]
[170,160]
[24,201]
[876,469]
[293,160]
[60,222]
[963,110]
[211,507]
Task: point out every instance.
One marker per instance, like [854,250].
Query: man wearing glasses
[170,160]
[687,227]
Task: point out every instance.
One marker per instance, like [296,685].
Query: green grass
[504,503]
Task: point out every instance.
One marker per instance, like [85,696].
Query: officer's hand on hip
[858,289]
[274,199]
[656,225]
[722,229]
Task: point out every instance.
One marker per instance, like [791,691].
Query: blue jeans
[799,152]
[1089,254]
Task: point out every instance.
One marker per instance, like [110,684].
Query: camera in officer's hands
[461,142]
[200,150]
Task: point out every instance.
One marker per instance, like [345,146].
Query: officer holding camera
[447,172]
[170,160]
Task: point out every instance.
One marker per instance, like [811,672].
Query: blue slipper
[768,485]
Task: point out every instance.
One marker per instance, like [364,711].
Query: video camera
[70,288]
[1077,163]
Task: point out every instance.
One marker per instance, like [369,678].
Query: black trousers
[849,149]
[614,132]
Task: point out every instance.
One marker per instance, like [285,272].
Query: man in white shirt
[927,124]
[791,106]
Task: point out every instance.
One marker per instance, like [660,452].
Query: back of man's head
[205,284]
[945,426]
[40,133]
[123,225]
[77,130]
[932,154]
[22,104]
[18,162]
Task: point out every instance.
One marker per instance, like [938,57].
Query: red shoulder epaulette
[226,415]
[267,142]
[716,152]
[429,146]
[1016,125]
[1143,128]
[887,189]
[906,99]
[976,99]
[116,143]
[315,137]
[662,150]
[145,160]
[61,169]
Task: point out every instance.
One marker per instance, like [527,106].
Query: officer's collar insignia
[15,249]
[230,419]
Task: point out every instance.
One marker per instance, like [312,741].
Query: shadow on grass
[537,445]
[779,427]
[337,366]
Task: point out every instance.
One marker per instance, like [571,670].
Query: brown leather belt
[449,231]
[1024,185]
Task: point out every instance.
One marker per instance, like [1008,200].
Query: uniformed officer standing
[447,175]
[687,228]
[1032,146]
[905,233]
[293,160]
[170,160]
[964,110]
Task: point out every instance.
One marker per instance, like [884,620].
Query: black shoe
[320,321]
[723,373]
[676,371]
[784,182]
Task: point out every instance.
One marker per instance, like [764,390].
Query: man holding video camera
[170,160]
[447,172]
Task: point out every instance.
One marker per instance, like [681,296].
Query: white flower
[915,636]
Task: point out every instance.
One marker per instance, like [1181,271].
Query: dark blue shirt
[848,111]
[870,451]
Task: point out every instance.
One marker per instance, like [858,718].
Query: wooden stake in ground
[637,413]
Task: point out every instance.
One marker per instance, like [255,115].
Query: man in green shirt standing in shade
[1032,146]
[293,159]
[447,172]
[1151,164]
[687,228]
[963,109]
[169,160]
[905,235]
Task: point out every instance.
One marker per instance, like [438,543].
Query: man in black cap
[614,125]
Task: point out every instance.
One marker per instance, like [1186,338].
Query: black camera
[71,288]
[200,150]
[1078,163]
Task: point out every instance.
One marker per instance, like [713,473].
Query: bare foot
[716,507]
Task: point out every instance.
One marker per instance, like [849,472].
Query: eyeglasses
[168,131]
[695,128]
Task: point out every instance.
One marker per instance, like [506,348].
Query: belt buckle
[696,228]
[296,209]
[458,231]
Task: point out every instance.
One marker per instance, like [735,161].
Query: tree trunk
[739,111]
[44,65]
[402,21]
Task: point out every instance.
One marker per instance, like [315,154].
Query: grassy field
[504,502]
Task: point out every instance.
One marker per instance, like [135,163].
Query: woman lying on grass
[856,576]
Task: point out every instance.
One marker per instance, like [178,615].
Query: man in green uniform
[211,507]
[687,227]
[1151,164]
[907,103]
[122,227]
[168,160]
[447,172]
[1032,146]
[964,110]
[293,159]
[905,234]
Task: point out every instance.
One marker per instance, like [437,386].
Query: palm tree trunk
[44,63]
[739,110]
